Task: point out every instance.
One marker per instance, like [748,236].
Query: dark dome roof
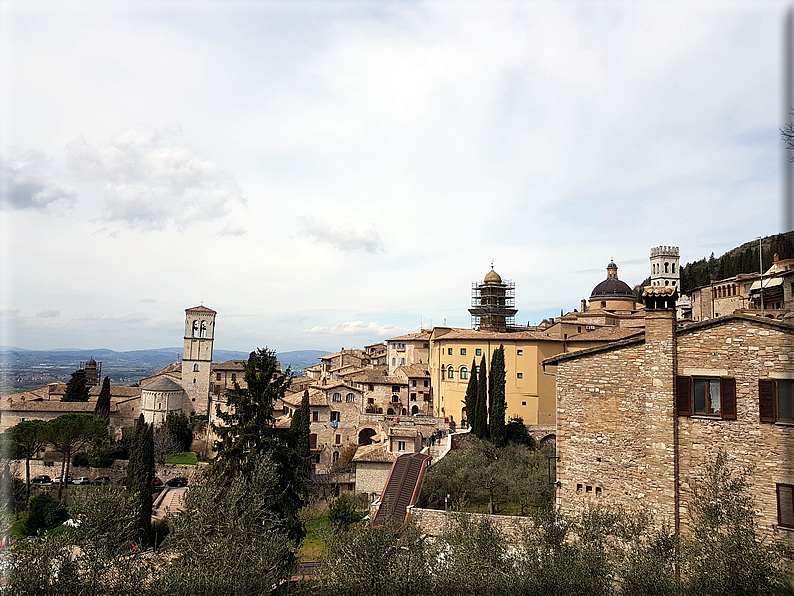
[91,362]
[612,288]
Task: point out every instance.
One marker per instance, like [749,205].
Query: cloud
[147,300]
[48,314]
[28,182]
[149,182]
[343,238]
[232,229]
[359,328]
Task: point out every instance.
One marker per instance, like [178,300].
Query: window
[523,403]
[334,416]
[194,381]
[371,388]
[402,361]
[195,328]
[426,345]
[413,383]
[313,441]
[400,445]
[335,456]
[337,397]
[520,375]
[218,377]
[426,397]
[463,351]
[785,505]
[350,398]
[413,397]
[399,346]
[195,368]
[337,441]
[394,361]
[520,352]
[395,388]
[706,397]
[478,352]
[578,330]
[425,383]
[450,372]
[315,416]
[234,377]
[203,328]
[395,399]
[370,400]
[776,400]
[464,372]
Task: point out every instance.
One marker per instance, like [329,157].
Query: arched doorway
[404,412]
[548,441]
[365,436]
[414,410]
[390,412]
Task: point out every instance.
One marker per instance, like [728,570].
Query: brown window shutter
[728,397]
[683,395]
[766,400]
[785,505]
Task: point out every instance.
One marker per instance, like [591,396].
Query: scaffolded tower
[493,303]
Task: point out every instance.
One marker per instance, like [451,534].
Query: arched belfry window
[195,328]
[203,328]
[667,267]
[195,368]
[673,267]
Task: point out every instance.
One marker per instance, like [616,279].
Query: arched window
[673,267]
[464,372]
[404,412]
[667,267]
[414,410]
[350,397]
[195,328]
[390,412]
[395,399]
[335,457]
[337,397]
[450,372]
[203,328]
[195,368]
[194,381]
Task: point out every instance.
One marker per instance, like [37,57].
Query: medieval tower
[197,357]
[664,266]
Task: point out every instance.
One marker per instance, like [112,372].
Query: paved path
[169,501]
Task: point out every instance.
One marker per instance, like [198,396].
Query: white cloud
[360,328]
[232,229]
[343,237]
[47,314]
[150,182]
[28,181]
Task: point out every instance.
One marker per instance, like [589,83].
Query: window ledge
[786,528]
[704,417]
[784,423]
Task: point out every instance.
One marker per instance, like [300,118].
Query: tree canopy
[102,409]
[77,388]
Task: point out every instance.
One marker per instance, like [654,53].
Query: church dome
[91,362]
[492,277]
[612,287]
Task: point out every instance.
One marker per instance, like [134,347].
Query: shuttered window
[776,400]
[785,505]
[706,397]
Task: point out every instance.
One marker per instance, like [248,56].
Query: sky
[332,174]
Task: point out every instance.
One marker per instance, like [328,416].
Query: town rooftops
[424,334]
[785,325]
[230,365]
[414,370]
[376,452]
[316,398]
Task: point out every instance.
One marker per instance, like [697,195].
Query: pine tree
[497,398]
[470,401]
[102,409]
[481,423]
[77,388]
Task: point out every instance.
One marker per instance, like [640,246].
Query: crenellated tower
[197,357]
[664,266]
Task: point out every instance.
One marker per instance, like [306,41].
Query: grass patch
[183,459]
[313,545]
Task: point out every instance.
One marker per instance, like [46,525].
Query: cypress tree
[497,398]
[481,423]
[77,388]
[470,401]
[102,409]
[140,476]
[299,426]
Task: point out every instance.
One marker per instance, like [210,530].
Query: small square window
[520,352]
[400,445]
[523,403]
[463,351]
[520,375]
[449,351]
[478,352]
[315,416]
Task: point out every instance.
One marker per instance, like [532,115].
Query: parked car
[177,482]
[100,480]
[158,484]
[42,479]
[81,481]
[58,480]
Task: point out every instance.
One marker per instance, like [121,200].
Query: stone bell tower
[664,267]
[197,357]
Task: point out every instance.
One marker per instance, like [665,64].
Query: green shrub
[44,513]
[80,460]
[343,512]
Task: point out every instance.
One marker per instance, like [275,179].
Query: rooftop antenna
[491,264]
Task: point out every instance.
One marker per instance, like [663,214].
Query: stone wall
[115,472]
[371,478]
[435,522]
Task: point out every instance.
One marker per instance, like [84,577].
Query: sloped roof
[376,452]
[414,370]
[423,334]
[201,309]
[163,383]
[230,365]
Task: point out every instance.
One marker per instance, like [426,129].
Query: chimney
[776,258]
[584,305]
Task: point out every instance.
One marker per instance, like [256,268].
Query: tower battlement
[664,251]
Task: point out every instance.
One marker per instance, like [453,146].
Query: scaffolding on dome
[493,306]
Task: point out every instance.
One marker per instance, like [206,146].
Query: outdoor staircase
[402,487]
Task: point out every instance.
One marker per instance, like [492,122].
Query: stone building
[408,349]
[640,419]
